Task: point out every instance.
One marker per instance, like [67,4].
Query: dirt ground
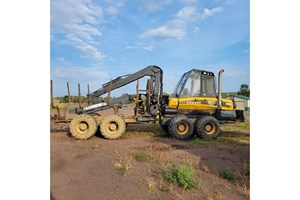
[91,169]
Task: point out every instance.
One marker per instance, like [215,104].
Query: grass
[142,157]
[224,139]
[182,176]
[225,174]
[123,164]
[145,130]
[241,126]
[244,125]
[122,167]
[202,141]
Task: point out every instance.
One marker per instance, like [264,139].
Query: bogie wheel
[83,127]
[112,127]
[181,127]
[165,126]
[207,127]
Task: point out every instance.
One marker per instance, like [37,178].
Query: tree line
[244,90]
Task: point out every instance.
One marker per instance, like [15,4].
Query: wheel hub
[112,127]
[181,127]
[208,127]
[83,126]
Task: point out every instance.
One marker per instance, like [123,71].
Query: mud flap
[239,116]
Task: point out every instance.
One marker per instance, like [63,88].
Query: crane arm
[153,71]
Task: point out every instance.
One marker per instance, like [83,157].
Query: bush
[142,157]
[181,175]
[225,174]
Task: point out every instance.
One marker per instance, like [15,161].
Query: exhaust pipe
[220,89]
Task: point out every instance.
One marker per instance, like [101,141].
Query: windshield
[180,84]
[195,84]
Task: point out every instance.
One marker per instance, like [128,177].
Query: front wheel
[181,127]
[207,127]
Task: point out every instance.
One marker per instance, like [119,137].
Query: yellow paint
[199,103]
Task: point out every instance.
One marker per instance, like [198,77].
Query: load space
[194,108]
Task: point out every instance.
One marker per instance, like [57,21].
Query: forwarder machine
[193,108]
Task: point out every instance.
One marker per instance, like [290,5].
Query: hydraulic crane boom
[153,71]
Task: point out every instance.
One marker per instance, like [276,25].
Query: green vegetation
[75,99]
[182,176]
[232,138]
[123,164]
[201,141]
[244,125]
[142,157]
[145,130]
[241,127]
[225,174]
[244,90]
[123,168]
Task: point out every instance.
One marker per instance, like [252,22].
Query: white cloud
[163,33]
[112,10]
[83,31]
[175,29]
[153,5]
[225,1]
[207,13]
[67,72]
[78,22]
[196,29]
[187,12]
[188,1]
[147,48]
[79,74]
[88,50]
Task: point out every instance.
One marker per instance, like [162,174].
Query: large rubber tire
[83,127]
[112,127]
[207,127]
[181,127]
[165,126]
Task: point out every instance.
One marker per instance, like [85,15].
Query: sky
[94,41]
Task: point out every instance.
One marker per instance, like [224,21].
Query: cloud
[88,50]
[196,29]
[112,10]
[153,5]
[79,74]
[187,12]
[147,48]
[188,1]
[175,29]
[65,71]
[78,23]
[207,13]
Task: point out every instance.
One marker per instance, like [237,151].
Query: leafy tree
[244,90]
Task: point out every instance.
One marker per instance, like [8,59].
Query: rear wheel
[83,127]
[207,127]
[181,127]
[112,127]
